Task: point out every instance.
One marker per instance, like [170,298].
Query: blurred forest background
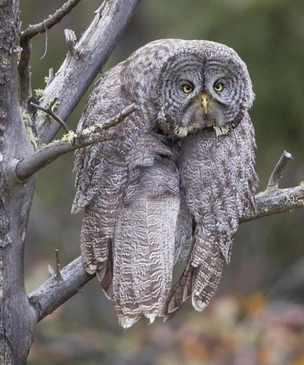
[257,316]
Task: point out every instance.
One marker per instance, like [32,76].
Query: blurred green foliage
[269,36]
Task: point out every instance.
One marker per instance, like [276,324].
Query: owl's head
[202,84]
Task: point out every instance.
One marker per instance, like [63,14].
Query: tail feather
[180,293]
[94,242]
[104,273]
[201,276]
[143,259]
[202,294]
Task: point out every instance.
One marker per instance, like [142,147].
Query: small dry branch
[58,266]
[70,142]
[25,43]
[274,200]
[50,112]
[277,173]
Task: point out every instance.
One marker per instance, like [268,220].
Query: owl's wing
[183,234]
[143,249]
[219,179]
[129,189]
[100,174]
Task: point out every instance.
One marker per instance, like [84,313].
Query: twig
[70,39]
[277,173]
[50,112]
[45,45]
[50,270]
[50,77]
[58,274]
[52,20]
[70,142]
[25,43]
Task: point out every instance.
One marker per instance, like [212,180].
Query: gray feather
[219,179]
[145,233]
[169,180]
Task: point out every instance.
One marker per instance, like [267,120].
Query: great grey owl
[178,176]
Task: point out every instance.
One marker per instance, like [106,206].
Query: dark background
[257,315]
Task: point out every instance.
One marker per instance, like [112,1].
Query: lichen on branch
[70,142]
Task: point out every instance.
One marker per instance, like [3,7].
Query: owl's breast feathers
[219,179]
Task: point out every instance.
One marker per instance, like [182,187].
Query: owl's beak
[205,102]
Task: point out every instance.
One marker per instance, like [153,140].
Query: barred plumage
[181,171]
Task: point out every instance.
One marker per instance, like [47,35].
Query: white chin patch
[182,132]
[221,130]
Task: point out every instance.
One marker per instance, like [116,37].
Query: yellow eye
[218,87]
[187,88]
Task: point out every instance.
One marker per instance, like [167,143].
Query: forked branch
[48,110]
[273,200]
[70,142]
[25,43]
[85,60]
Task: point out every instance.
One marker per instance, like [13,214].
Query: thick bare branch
[70,142]
[25,43]
[58,290]
[88,57]
[17,319]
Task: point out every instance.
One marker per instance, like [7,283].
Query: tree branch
[89,55]
[25,43]
[50,112]
[56,291]
[52,20]
[274,201]
[70,142]
[271,201]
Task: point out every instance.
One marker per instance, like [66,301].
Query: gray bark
[59,288]
[19,315]
[84,62]
[16,335]
[70,142]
